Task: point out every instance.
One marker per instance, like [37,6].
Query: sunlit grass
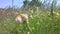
[41,23]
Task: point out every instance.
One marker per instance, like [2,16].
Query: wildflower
[48,13]
[28,32]
[57,14]
[31,16]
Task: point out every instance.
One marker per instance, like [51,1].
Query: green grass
[40,24]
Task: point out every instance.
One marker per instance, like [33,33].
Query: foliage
[41,23]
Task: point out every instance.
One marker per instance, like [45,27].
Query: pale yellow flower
[57,14]
[28,32]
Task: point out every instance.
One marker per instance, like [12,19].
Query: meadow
[40,23]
